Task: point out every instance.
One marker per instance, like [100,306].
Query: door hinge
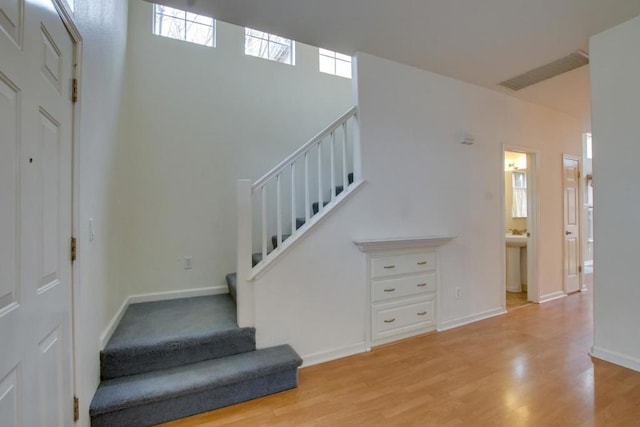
[73,249]
[74,90]
[579,269]
[76,409]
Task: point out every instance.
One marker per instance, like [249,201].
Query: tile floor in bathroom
[516,299]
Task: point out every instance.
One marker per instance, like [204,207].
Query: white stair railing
[291,198]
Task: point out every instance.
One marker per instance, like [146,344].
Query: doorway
[571,223]
[520,224]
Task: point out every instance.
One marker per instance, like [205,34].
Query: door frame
[580,210]
[533,166]
[66,16]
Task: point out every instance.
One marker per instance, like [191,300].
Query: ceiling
[478,41]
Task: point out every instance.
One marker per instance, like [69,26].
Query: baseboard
[337,353]
[455,323]
[616,358]
[551,297]
[187,293]
[105,336]
[158,296]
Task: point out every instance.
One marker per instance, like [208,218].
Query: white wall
[199,118]
[103,25]
[421,181]
[615,67]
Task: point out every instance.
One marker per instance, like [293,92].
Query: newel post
[357,148]
[245,297]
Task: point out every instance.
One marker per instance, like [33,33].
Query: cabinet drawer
[417,313]
[402,264]
[402,287]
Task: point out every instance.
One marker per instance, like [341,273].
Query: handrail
[337,151]
[305,148]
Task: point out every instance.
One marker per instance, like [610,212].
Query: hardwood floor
[527,368]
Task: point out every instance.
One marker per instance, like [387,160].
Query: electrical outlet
[458,293]
[186,263]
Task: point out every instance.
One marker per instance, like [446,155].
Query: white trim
[533,222]
[552,296]
[616,358]
[392,244]
[105,336]
[581,243]
[301,233]
[333,354]
[410,332]
[455,323]
[66,16]
[186,293]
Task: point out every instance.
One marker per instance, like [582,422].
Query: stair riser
[195,403]
[116,364]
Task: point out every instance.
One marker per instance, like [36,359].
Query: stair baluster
[341,175]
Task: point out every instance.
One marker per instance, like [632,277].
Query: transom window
[269,46]
[335,63]
[181,25]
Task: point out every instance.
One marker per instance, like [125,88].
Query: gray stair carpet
[165,334]
[156,397]
[232,284]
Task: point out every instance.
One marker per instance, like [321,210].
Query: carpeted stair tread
[232,284]
[120,393]
[316,205]
[274,240]
[165,334]
[149,323]
[256,258]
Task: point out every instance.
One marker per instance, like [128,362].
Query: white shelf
[393,244]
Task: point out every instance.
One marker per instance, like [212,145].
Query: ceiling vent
[570,62]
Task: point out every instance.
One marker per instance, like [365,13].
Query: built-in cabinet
[402,287]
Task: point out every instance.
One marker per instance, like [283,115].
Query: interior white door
[36,69]
[571,179]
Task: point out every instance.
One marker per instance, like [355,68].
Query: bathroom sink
[516,241]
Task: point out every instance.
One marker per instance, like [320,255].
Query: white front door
[36,67]
[571,179]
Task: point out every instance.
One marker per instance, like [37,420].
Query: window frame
[335,57]
[519,187]
[188,19]
[270,40]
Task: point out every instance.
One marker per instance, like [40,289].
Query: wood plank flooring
[527,368]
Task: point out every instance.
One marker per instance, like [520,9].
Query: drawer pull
[422,263]
[388,267]
[421,285]
[424,313]
[390,321]
[390,290]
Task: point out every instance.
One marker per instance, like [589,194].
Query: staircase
[276,210]
[171,359]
